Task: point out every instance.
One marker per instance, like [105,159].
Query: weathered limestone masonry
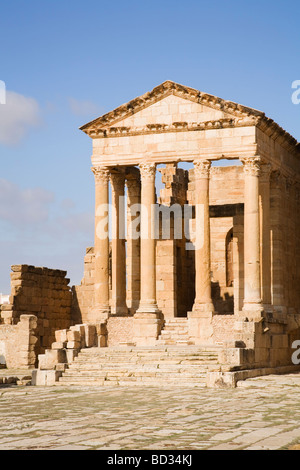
[226,288]
[39,297]
[64,350]
[239,287]
[18,343]
[83,295]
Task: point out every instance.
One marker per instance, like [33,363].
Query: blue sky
[67,62]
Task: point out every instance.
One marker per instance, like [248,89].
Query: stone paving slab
[261,414]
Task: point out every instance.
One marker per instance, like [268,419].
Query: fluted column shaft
[252,282]
[118,305]
[101,249]
[203,301]
[148,302]
[133,184]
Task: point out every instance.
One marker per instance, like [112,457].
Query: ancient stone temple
[209,264]
[239,285]
[246,240]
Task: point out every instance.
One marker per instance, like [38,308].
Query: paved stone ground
[262,413]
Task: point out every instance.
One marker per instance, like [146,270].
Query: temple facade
[196,260]
[240,259]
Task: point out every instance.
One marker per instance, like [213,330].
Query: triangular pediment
[171,103]
[170,107]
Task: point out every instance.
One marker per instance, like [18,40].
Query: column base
[269,312]
[146,327]
[148,308]
[119,312]
[253,311]
[205,308]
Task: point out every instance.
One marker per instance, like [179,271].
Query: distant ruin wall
[18,344]
[83,295]
[41,292]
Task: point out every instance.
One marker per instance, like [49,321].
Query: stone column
[133,184]
[118,300]
[252,283]
[148,243]
[203,301]
[200,319]
[265,235]
[147,318]
[101,308]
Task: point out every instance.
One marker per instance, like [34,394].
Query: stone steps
[154,364]
[138,359]
[154,368]
[175,332]
[157,366]
[123,382]
[131,373]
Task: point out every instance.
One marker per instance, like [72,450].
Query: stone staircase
[158,366]
[175,332]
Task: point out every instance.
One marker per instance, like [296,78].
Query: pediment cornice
[123,131]
[238,116]
[162,91]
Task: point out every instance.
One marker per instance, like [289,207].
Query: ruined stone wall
[174,265]
[83,295]
[19,343]
[290,246]
[285,240]
[44,293]
[226,185]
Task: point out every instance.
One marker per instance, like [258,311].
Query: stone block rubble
[64,350]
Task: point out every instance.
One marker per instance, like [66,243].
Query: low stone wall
[18,343]
[258,344]
[44,293]
[65,349]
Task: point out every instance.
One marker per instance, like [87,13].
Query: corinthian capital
[202,168]
[147,170]
[101,174]
[252,165]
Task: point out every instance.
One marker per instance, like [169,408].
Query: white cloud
[35,210]
[2,92]
[67,204]
[37,229]
[84,107]
[82,223]
[17,117]
[22,207]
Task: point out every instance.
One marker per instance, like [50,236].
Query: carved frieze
[164,128]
